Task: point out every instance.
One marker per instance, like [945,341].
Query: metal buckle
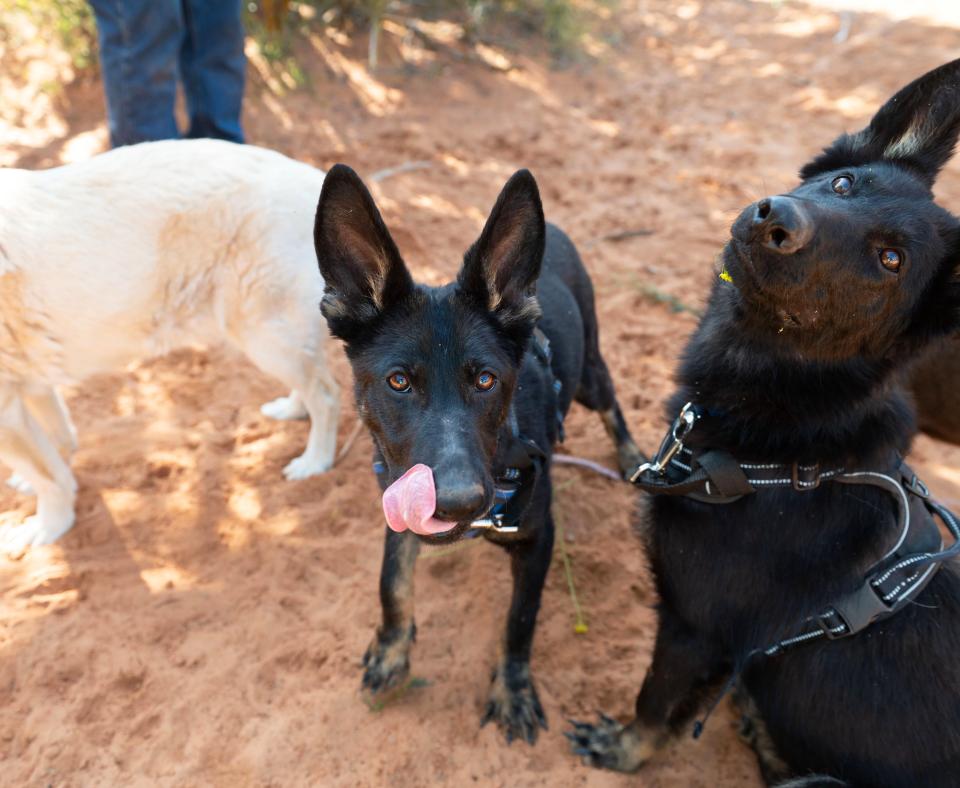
[672,444]
[917,487]
[808,482]
[495,523]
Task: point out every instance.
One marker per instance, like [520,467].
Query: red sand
[204,621]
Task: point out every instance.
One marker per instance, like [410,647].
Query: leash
[716,477]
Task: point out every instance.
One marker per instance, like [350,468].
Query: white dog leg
[48,406]
[33,456]
[292,353]
[21,485]
[285,408]
[322,399]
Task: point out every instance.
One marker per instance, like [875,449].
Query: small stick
[348,443]
[389,172]
[579,624]
[590,465]
[622,235]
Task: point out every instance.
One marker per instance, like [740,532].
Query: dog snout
[782,225]
[461,502]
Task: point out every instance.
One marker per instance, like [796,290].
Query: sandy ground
[203,622]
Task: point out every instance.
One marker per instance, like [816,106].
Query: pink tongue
[411,501]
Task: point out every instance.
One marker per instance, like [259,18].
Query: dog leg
[628,455]
[288,408]
[51,411]
[322,401]
[386,662]
[513,702]
[33,456]
[279,350]
[753,731]
[684,664]
[596,392]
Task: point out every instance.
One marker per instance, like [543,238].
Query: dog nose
[462,503]
[782,224]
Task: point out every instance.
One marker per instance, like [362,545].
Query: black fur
[441,339]
[801,359]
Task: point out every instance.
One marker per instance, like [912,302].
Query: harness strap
[715,476]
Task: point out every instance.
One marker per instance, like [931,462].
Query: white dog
[134,253]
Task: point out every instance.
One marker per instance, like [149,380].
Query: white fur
[139,251]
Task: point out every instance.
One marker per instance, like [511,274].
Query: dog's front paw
[284,408]
[513,703]
[21,485]
[609,745]
[386,663]
[35,531]
[304,467]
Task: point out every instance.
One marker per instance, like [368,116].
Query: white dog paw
[34,532]
[284,409]
[21,485]
[304,467]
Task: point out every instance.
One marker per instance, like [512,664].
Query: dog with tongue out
[455,383]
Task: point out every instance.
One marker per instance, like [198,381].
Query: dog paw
[513,703]
[284,409]
[386,663]
[304,467]
[35,531]
[608,744]
[21,485]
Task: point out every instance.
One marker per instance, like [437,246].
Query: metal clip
[672,444]
[495,523]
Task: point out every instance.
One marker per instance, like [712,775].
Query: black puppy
[464,399]
[788,491]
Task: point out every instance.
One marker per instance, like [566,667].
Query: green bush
[70,21]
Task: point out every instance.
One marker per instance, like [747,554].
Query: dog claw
[514,704]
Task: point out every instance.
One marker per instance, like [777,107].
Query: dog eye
[485,381]
[842,184]
[890,259]
[399,382]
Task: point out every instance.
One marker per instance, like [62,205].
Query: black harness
[519,461]
[716,477]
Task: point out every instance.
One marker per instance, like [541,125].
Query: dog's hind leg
[386,663]
[596,392]
[753,730]
[298,361]
[289,408]
[513,702]
[30,453]
[321,397]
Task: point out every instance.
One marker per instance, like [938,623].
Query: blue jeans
[145,45]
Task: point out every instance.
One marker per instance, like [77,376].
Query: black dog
[795,372]
[935,382]
[459,385]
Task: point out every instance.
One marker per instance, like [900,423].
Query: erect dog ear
[363,272]
[500,270]
[917,128]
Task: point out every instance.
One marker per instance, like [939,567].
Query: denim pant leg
[213,67]
[139,44]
